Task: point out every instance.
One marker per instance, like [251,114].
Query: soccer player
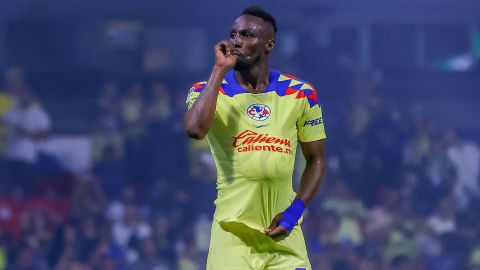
[253,117]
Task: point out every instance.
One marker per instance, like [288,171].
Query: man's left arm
[311,135]
[311,180]
[312,177]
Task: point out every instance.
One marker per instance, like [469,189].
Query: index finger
[225,46]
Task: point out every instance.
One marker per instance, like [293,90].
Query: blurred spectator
[465,157]
[159,108]
[64,246]
[37,229]
[107,129]
[109,100]
[326,234]
[438,168]
[437,177]
[352,163]
[133,110]
[443,220]
[362,100]
[28,128]
[202,190]
[350,210]
[149,259]
[164,237]
[129,231]
[107,254]
[90,235]
[403,236]
[87,199]
[418,146]
[189,260]
[161,131]
[111,173]
[386,143]
[201,230]
[201,160]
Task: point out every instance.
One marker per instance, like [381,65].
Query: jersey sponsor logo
[259,112]
[260,126]
[248,141]
[313,122]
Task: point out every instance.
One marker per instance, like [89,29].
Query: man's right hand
[224,59]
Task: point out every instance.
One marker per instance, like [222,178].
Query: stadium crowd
[400,192]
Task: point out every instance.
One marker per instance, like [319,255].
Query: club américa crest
[259,112]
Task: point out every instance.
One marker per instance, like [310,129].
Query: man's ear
[269,46]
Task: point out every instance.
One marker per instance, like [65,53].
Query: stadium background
[96,173]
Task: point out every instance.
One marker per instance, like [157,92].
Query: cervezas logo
[250,140]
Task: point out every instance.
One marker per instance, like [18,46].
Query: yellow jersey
[253,140]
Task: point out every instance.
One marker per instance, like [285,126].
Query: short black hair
[261,13]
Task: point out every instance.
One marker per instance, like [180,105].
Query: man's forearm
[312,179]
[200,116]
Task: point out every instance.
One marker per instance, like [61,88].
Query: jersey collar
[232,87]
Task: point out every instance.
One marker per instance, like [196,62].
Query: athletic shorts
[235,246]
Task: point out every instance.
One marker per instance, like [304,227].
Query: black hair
[261,13]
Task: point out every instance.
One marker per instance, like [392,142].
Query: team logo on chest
[259,112]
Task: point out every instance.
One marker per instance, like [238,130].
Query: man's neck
[255,78]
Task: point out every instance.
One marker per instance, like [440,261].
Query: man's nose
[237,42]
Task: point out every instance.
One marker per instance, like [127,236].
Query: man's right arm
[200,116]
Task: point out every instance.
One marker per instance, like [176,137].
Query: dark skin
[310,182]
[247,51]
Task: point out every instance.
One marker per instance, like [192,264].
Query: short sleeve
[310,124]
[194,92]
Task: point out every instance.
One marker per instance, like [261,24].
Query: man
[28,129]
[28,125]
[253,117]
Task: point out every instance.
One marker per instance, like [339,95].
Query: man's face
[253,39]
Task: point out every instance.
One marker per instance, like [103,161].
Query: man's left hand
[276,231]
